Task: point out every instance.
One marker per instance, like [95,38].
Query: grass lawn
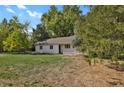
[22,70]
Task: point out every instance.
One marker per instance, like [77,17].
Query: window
[51,47]
[41,47]
[67,46]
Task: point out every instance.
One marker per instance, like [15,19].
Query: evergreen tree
[39,34]
[102,32]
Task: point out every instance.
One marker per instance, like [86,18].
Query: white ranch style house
[59,45]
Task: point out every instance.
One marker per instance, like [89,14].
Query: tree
[102,32]
[18,38]
[4,32]
[61,23]
[39,34]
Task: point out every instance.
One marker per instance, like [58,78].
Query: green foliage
[4,32]
[14,35]
[39,34]
[61,23]
[15,42]
[101,32]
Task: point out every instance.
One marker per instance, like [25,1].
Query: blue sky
[30,13]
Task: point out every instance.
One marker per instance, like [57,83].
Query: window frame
[67,46]
[41,47]
[51,46]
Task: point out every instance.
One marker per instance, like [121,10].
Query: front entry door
[60,51]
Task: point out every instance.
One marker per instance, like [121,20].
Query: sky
[30,13]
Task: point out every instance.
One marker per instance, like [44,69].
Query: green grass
[19,67]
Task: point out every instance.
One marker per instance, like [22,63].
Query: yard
[55,70]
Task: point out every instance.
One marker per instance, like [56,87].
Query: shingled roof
[58,40]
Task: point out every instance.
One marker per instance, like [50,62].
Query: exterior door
[60,50]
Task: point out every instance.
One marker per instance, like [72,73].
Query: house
[62,45]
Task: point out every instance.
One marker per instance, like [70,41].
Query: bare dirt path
[79,74]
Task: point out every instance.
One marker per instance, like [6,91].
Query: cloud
[22,7]
[34,13]
[10,10]
[20,15]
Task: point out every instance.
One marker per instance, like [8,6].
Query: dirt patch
[79,73]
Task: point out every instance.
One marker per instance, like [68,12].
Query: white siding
[46,49]
[37,49]
[55,50]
